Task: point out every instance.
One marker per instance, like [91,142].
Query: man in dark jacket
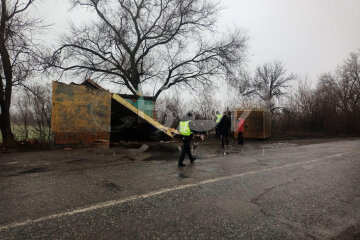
[224,128]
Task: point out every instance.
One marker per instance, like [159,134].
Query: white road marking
[158,192]
[11,163]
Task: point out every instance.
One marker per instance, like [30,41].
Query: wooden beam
[168,131]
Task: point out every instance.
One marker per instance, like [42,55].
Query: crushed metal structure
[88,114]
[258,123]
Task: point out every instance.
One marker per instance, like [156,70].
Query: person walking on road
[240,130]
[185,129]
[217,120]
[224,128]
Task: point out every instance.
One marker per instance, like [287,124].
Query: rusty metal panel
[80,115]
[81,137]
[257,122]
[267,124]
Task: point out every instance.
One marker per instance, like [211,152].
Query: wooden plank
[168,131]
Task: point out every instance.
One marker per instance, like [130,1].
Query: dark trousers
[241,138]
[217,132]
[224,138]
[186,149]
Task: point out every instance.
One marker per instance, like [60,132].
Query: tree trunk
[5,91]
[7,135]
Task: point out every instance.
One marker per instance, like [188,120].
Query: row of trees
[333,107]
[19,55]
[170,109]
[161,45]
[31,114]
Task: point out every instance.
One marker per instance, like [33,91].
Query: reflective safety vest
[218,118]
[184,128]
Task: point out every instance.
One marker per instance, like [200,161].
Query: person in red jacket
[240,130]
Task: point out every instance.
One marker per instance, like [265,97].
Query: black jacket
[225,124]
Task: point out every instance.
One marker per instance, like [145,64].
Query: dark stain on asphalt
[29,171]
[81,160]
[34,170]
[352,232]
[256,199]
[182,175]
[112,187]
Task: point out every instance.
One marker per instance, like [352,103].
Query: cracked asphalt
[279,191]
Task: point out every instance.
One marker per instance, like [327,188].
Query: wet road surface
[290,192]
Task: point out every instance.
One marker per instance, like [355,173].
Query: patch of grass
[19,133]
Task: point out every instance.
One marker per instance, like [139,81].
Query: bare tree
[169,110]
[40,99]
[159,43]
[17,55]
[341,91]
[22,117]
[347,83]
[33,113]
[333,107]
[268,83]
[205,105]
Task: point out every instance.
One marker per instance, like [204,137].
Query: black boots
[180,165]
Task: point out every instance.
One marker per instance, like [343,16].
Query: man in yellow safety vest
[218,118]
[187,135]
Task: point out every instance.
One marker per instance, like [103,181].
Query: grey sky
[309,36]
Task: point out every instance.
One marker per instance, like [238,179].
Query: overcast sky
[310,36]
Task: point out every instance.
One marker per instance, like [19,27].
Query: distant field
[19,134]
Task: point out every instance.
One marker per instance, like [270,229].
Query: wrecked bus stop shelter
[258,123]
[88,114]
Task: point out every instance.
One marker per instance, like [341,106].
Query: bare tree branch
[154,42]
[268,84]
[19,55]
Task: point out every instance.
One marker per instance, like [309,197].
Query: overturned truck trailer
[87,114]
[258,123]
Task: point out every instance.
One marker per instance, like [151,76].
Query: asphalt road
[309,191]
